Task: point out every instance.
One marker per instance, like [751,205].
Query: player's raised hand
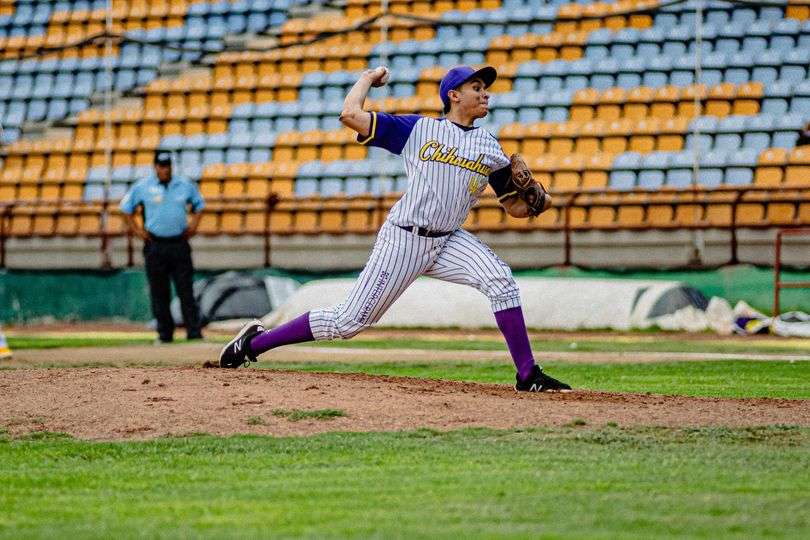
[379,76]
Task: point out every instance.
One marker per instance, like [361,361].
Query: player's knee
[348,327]
[502,288]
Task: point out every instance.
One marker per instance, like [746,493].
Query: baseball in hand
[380,76]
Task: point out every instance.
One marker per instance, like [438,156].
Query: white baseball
[382,80]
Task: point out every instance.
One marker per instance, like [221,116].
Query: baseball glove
[534,194]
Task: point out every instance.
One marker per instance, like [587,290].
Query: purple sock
[294,331]
[513,328]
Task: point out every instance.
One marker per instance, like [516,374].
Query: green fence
[28,295]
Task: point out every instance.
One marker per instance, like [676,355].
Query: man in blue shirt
[165,233]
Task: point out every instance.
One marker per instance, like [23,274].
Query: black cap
[162,157]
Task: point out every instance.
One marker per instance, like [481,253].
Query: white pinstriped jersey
[448,167]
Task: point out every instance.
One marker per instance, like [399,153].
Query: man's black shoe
[540,382]
[237,351]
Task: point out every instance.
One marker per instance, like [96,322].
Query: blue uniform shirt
[164,206]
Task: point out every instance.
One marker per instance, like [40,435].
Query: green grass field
[581,481]
[775,379]
[602,482]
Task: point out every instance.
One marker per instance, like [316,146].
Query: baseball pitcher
[449,163]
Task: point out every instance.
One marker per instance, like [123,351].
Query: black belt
[421,231]
[166,239]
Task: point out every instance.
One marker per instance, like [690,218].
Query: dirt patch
[138,403]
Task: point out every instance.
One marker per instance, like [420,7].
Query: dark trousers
[170,258]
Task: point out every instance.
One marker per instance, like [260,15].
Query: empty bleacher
[603,99]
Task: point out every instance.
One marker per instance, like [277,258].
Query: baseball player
[449,163]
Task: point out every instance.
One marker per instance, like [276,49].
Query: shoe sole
[238,336]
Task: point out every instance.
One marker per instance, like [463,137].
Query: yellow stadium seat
[66,224]
[610,104]
[231,222]
[688,214]
[779,213]
[637,103]
[209,223]
[644,135]
[748,98]
[595,173]
[584,103]
[659,215]
[8,192]
[568,174]
[21,223]
[617,133]
[601,216]
[771,168]
[536,137]
[750,214]
[562,137]
[664,102]
[720,99]
[588,141]
[671,134]
[797,172]
[686,105]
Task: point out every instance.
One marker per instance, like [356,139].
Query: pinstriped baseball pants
[397,259]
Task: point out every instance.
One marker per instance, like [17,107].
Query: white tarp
[550,303]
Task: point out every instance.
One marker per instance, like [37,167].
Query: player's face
[474,98]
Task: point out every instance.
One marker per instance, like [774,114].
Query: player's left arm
[501,183]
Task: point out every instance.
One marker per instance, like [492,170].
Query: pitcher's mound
[147,403]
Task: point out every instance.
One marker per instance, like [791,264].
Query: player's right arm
[353,116]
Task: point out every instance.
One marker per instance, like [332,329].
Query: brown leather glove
[534,194]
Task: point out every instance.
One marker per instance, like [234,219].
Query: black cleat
[237,351]
[540,382]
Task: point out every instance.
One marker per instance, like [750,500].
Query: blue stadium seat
[122,174]
[757,135]
[93,192]
[380,185]
[117,191]
[649,42]
[657,71]
[776,98]
[704,140]
[306,187]
[794,65]
[189,158]
[729,38]
[172,143]
[401,183]
[729,133]
[15,113]
[630,73]
[23,86]
[741,164]
[800,104]
[625,167]
[679,174]
[57,109]
[786,130]
[97,175]
[652,172]
[37,110]
[712,165]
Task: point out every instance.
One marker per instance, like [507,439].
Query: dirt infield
[143,403]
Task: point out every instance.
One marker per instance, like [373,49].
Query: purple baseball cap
[461,74]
